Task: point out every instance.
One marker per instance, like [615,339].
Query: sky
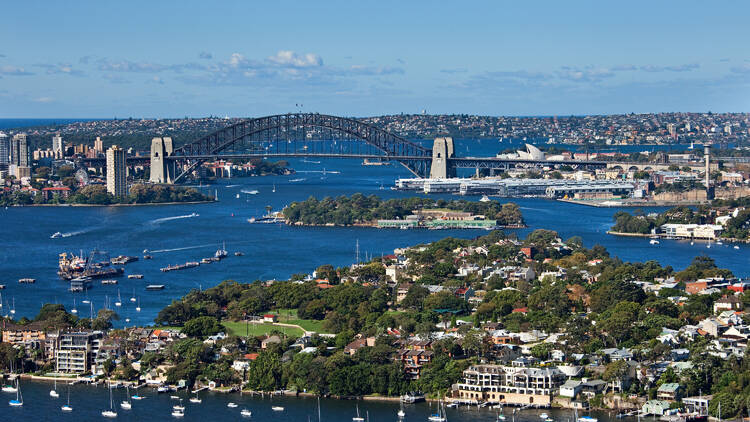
[154,59]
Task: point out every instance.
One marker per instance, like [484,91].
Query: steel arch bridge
[301,135]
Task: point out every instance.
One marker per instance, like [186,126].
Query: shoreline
[615,203]
[375,226]
[143,204]
[664,236]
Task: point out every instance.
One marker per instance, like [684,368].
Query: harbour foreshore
[666,236]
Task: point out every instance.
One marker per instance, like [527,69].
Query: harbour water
[88,403]
[173,234]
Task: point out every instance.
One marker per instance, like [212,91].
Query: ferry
[123,259]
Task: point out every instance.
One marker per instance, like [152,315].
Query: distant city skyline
[172,59]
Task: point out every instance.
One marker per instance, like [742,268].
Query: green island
[414,212]
[429,317]
[723,219]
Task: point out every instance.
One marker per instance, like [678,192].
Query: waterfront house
[655,407]
[570,389]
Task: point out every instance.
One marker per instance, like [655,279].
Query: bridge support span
[442,151]
[161,169]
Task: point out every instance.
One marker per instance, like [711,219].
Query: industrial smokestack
[707,156]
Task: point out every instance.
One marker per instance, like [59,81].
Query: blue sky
[360,58]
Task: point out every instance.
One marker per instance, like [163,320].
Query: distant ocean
[16,123]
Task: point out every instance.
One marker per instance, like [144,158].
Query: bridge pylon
[442,151]
[161,169]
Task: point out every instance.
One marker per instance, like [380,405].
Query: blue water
[270,251]
[88,403]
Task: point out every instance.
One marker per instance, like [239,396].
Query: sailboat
[66,407]
[195,399]
[119,300]
[138,308]
[401,414]
[179,406]
[274,188]
[276,408]
[53,393]
[358,418]
[439,416]
[126,404]
[238,196]
[18,402]
[132,298]
[13,309]
[74,310]
[111,412]
[178,410]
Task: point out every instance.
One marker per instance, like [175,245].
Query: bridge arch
[302,135]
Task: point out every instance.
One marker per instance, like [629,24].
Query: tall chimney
[707,156]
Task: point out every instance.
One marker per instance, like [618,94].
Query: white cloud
[290,58]
[44,100]
[14,71]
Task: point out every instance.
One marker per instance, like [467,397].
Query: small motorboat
[56,235]
[137,397]
[277,408]
[232,405]
[178,413]
[653,242]
[736,247]
[543,416]
[246,413]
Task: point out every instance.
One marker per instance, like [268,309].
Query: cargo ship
[96,265]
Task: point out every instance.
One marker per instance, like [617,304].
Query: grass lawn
[240,328]
[289,316]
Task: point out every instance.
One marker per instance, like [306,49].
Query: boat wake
[73,233]
[183,248]
[177,217]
